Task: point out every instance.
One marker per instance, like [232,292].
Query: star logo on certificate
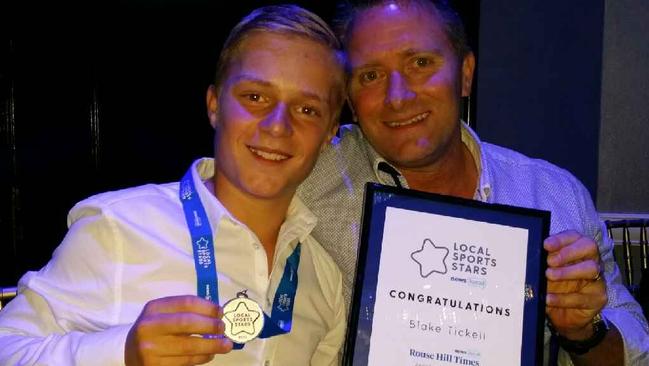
[430,258]
[242,319]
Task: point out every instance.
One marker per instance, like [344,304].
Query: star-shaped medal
[243,319]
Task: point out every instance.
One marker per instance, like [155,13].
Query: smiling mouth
[268,155]
[415,119]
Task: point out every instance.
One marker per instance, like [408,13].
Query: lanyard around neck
[202,238]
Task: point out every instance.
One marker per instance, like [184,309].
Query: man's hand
[576,291]
[167,333]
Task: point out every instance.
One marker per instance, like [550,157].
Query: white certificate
[447,284]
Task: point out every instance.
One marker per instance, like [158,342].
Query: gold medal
[243,318]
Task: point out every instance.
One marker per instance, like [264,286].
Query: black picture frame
[378,198]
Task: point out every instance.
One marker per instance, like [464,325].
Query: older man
[409,67]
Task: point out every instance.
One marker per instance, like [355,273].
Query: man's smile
[409,121]
[269,154]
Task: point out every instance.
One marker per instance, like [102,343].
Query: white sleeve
[329,349]
[66,314]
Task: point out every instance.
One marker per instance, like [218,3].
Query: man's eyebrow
[413,51]
[255,80]
[251,79]
[313,96]
[408,52]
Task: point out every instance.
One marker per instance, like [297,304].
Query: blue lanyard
[200,231]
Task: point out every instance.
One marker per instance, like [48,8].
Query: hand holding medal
[164,333]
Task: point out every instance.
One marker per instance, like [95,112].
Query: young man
[121,287]
[409,67]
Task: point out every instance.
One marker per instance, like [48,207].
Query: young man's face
[272,114]
[406,84]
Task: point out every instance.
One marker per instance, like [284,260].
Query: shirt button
[256,246]
[267,363]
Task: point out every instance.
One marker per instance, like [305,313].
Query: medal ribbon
[281,318]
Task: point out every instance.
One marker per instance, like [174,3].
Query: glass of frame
[447,281]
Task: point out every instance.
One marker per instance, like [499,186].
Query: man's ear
[468,66]
[212,100]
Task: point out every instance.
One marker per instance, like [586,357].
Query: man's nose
[398,92]
[278,121]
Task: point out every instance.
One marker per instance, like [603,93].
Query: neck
[263,216]
[453,174]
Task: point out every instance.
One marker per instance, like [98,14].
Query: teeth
[415,119]
[268,155]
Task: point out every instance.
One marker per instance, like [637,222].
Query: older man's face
[406,84]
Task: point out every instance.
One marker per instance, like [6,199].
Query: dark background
[107,95]
[104,96]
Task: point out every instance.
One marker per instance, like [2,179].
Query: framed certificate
[447,281]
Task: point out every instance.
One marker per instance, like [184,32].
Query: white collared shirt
[128,247]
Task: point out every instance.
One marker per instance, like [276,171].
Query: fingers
[193,346]
[560,240]
[180,323]
[583,301]
[570,247]
[183,304]
[585,270]
[183,361]
[168,332]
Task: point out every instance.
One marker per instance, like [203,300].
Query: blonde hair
[290,20]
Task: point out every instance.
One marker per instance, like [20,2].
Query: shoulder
[136,201]
[343,162]
[348,145]
[504,161]
[519,180]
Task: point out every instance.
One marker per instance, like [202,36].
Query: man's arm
[66,313]
[30,335]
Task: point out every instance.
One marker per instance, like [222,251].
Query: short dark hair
[453,27]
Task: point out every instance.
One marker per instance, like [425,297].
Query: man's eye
[309,110]
[253,97]
[422,62]
[369,76]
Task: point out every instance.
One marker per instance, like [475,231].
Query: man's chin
[410,159]
[269,191]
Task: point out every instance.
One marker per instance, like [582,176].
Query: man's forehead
[383,24]
[386,31]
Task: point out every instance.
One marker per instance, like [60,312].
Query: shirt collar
[298,224]
[472,142]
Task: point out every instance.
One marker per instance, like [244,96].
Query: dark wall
[98,97]
[623,184]
[539,87]
[103,96]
